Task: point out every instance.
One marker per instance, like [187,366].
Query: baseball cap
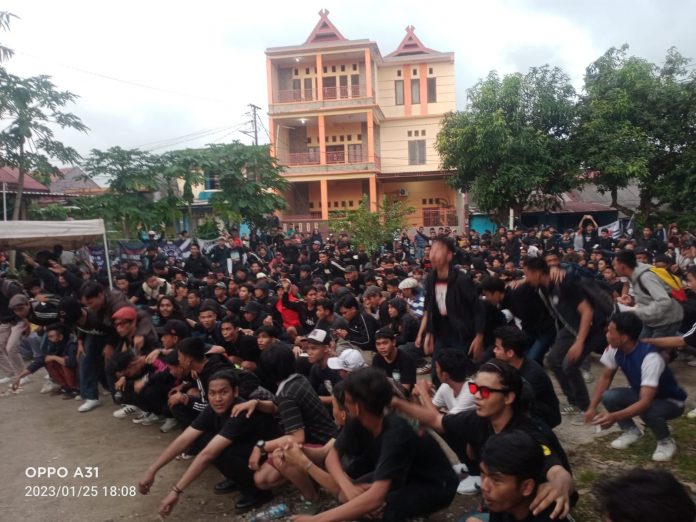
[127,313]
[252,307]
[385,333]
[220,285]
[175,327]
[18,300]
[318,336]
[339,281]
[261,275]
[349,360]
[409,282]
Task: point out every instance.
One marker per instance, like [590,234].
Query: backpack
[675,286]
[598,292]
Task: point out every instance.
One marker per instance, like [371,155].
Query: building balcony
[294,100]
[310,162]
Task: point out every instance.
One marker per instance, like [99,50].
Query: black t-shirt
[544,516]
[244,346]
[398,454]
[545,402]
[323,379]
[240,430]
[300,408]
[467,428]
[404,365]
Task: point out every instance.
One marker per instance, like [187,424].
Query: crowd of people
[295,358]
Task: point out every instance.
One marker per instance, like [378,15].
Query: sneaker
[128,409]
[460,470]
[89,405]
[692,363]
[469,486]
[666,448]
[425,369]
[5,380]
[691,414]
[146,419]
[169,424]
[185,456]
[571,410]
[626,439]
[78,397]
[49,387]
[587,376]
[24,380]
[70,394]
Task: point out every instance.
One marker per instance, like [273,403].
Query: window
[415,91]
[416,133]
[349,137]
[333,68]
[430,70]
[342,138]
[306,71]
[415,72]
[398,92]
[309,140]
[398,73]
[409,133]
[423,132]
[416,152]
[350,203]
[212,182]
[432,90]
[297,72]
[343,68]
[355,66]
[359,137]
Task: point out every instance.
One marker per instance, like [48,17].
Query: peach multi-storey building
[346,122]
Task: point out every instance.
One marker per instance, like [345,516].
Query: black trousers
[233,463]
[418,498]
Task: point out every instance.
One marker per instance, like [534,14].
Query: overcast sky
[190,67]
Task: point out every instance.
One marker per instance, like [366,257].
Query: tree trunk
[615,202]
[20,185]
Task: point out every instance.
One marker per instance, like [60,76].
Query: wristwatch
[261,444]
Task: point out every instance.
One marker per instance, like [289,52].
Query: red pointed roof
[324,31]
[11,177]
[411,44]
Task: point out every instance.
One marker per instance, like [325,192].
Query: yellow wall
[394,144]
[417,191]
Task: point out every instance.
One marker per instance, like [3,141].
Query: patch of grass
[597,460]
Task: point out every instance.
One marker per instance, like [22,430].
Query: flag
[630,226]
[613,228]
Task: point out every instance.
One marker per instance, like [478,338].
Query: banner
[98,255]
[131,249]
[613,228]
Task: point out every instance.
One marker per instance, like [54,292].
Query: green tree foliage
[370,229]
[637,123]
[510,147]
[5,18]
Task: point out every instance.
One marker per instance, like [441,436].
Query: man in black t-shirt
[395,363]
[228,443]
[392,466]
[321,377]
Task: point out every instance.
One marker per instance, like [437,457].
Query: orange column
[320,78]
[369,92]
[324,194]
[423,73]
[370,137]
[269,81]
[373,193]
[322,140]
[407,90]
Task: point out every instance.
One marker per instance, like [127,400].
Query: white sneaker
[691,414]
[146,419]
[666,448]
[469,486]
[5,380]
[461,470]
[89,405]
[169,425]
[128,409]
[627,438]
[24,380]
[49,387]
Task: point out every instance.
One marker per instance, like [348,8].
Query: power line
[205,135]
[120,80]
[158,142]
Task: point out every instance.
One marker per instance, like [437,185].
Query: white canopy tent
[46,234]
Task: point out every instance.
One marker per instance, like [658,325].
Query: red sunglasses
[485,391]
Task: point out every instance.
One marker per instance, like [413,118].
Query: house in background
[33,190]
[73,182]
[347,122]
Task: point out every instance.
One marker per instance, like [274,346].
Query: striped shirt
[301,409]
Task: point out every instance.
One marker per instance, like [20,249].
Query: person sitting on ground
[512,466]
[395,471]
[497,389]
[321,377]
[60,363]
[510,346]
[227,443]
[639,495]
[396,364]
[303,417]
[653,392]
[453,369]
[348,361]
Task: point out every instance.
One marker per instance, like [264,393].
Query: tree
[370,229]
[510,146]
[636,123]
[134,177]
[5,18]
[33,107]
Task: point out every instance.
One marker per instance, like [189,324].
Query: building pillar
[423,73]
[407,90]
[269,80]
[368,74]
[370,137]
[322,139]
[373,193]
[324,195]
[320,78]
[271,136]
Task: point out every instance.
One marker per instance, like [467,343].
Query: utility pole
[255,108]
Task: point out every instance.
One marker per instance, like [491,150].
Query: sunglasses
[485,391]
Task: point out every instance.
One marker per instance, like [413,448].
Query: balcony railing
[332,158]
[329,93]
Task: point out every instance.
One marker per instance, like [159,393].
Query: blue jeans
[666,330]
[541,345]
[655,418]
[419,250]
[89,366]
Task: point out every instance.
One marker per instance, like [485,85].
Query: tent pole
[108,261]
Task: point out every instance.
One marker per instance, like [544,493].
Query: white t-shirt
[650,371]
[445,400]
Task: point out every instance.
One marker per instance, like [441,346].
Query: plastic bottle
[272,513]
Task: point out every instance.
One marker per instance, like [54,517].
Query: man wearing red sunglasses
[497,390]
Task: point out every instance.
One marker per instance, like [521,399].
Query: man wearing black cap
[252,316]
[396,364]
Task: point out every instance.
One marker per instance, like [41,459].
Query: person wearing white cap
[321,377]
[348,361]
[409,288]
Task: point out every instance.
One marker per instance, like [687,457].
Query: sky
[161,75]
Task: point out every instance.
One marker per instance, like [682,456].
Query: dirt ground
[43,431]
